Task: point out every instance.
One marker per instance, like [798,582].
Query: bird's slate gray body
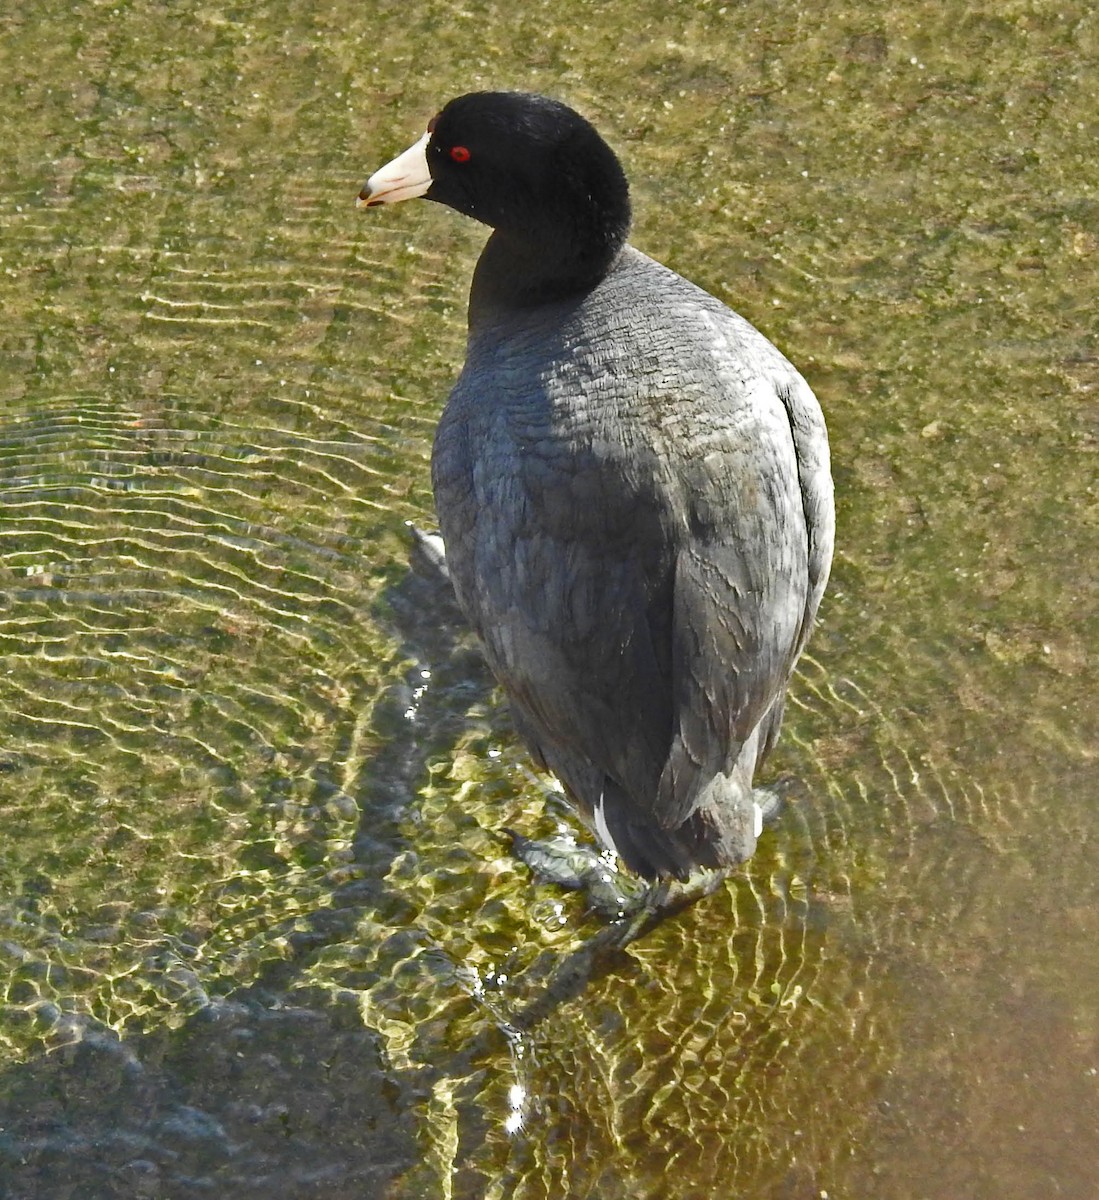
[634,493]
[632,485]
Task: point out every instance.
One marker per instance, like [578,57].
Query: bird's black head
[537,173]
[527,165]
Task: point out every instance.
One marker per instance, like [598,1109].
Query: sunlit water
[260,929]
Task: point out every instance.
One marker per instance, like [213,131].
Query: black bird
[632,486]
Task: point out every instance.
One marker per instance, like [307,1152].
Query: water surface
[260,932]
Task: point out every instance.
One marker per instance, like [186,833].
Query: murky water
[260,932]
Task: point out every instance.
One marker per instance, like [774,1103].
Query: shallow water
[260,932]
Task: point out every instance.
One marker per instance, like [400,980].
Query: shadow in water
[258,1093]
[355,1064]
[247,1099]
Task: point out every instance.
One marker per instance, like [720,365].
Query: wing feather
[642,561]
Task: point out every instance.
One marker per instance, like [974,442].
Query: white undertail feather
[602,829]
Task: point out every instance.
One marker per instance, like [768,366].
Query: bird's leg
[562,860]
[603,952]
[662,899]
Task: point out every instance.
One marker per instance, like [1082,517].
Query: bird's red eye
[460,154]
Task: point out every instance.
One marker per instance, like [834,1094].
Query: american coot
[632,485]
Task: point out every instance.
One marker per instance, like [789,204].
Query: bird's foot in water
[603,952]
[664,899]
[627,901]
[562,860]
